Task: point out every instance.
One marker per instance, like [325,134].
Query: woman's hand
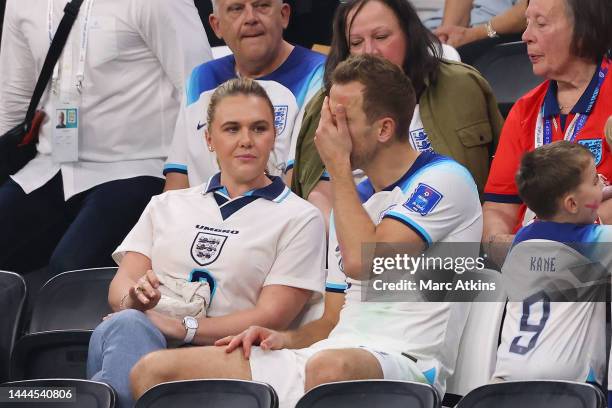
[145,294]
[254,336]
[457,36]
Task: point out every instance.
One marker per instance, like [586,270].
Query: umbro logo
[200,125]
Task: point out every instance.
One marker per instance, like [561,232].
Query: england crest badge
[280,117]
[206,247]
[596,148]
[420,141]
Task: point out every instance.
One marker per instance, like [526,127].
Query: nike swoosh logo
[200,126]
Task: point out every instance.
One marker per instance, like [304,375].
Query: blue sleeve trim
[503,198]
[290,164]
[410,224]
[315,82]
[336,287]
[208,76]
[175,168]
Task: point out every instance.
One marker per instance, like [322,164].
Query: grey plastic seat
[371,394]
[12,298]
[509,72]
[534,394]
[67,309]
[210,394]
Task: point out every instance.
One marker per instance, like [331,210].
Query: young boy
[554,333]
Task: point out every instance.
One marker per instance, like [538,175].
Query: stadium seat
[67,309]
[478,347]
[12,297]
[509,71]
[371,393]
[216,393]
[84,394]
[534,394]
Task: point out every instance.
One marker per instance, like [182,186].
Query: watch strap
[191,331]
[491,33]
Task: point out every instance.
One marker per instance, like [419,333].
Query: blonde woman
[239,250]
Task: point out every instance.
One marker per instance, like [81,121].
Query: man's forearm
[457,12]
[353,224]
[309,334]
[512,20]
[176,181]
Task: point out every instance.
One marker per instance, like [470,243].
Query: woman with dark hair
[568,42]
[456,114]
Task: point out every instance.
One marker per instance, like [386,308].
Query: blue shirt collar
[269,192]
[365,189]
[551,106]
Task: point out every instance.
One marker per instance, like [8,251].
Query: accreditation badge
[65,140]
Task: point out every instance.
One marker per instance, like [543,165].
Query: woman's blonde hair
[233,87]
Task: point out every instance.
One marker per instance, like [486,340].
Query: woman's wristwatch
[191,326]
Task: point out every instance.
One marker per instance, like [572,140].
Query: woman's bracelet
[122,303]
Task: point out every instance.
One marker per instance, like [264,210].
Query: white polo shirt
[139,53]
[268,236]
[289,87]
[438,199]
[544,339]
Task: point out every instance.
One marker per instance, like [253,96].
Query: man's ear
[214,23]
[570,204]
[386,130]
[285,14]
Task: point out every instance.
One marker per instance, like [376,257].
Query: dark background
[310,21]
[2,4]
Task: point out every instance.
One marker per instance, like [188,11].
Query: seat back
[52,354]
[509,71]
[73,300]
[534,394]
[69,306]
[70,393]
[12,297]
[215,393]
[371,393]
[479,340]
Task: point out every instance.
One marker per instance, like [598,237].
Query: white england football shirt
[547,339]
[438,199]
[289,87]
[268,236]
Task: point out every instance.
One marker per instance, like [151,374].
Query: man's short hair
[215,4]
[549,172]
[387,91]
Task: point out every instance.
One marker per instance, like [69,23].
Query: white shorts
[284,369]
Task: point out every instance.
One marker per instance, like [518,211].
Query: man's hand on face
[333,138]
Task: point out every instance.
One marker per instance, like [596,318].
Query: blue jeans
[116,346]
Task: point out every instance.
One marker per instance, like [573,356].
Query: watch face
[190,322]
